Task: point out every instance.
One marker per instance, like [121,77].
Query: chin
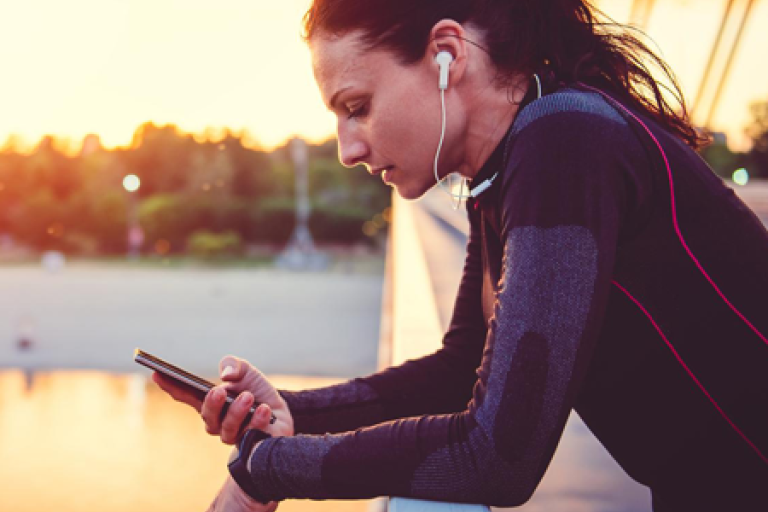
[410,194]
[412,191]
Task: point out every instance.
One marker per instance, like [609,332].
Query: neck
[492,114]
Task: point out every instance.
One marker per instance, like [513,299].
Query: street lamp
[131,184]
[301,252]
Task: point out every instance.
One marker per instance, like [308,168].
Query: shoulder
[583,108]
[572,133]
[572,158]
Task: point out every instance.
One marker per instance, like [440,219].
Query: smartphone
[198,385]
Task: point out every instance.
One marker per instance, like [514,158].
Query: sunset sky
[105,66]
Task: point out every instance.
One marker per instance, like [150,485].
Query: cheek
[408,133]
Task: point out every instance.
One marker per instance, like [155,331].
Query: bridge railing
[410,325]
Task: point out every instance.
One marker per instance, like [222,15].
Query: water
[90,441]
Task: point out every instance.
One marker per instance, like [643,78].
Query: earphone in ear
[444,60]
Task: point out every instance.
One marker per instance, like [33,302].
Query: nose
[353,150]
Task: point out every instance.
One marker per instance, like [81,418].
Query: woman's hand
[250,385]
[232,499]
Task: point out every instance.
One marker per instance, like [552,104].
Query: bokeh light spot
[741,177]
[131,183]
[56,230]
[369,228]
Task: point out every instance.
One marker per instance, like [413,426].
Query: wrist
[283,413]
[250,455]
[239,463]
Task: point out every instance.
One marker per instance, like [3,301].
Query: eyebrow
[335,97]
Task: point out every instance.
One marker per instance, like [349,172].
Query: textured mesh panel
[285,466]
[566,101]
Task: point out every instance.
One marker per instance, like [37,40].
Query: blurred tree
[251,169]
[77,203]
[758,132]
[160,157]
[722,160]
[210,245]
[108,220]
[166,217]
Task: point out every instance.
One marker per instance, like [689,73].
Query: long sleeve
[438,383]
[562,198]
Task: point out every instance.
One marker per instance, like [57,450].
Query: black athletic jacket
[601,275]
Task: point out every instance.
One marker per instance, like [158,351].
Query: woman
[608,270]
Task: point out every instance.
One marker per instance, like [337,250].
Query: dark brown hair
[561,40]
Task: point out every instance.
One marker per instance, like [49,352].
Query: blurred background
[169,180]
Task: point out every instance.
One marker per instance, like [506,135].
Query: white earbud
[444,60]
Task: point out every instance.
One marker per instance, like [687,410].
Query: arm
[563,199]
[438,383]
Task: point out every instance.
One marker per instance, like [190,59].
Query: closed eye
[359,112]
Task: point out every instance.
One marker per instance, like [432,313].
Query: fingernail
[229,370]
[218,394]
[246,398]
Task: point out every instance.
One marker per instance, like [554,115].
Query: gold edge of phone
[139,358]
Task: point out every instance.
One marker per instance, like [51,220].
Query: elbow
[504,484]
[509,498]
[506,492]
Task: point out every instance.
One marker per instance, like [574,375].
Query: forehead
[341,61]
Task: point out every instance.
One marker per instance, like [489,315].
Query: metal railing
[410,325]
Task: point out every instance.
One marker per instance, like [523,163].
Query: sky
[76,67]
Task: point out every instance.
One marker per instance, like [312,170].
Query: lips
[386,175]
[379,170]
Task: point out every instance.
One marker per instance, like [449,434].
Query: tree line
[193,195]
[213,196]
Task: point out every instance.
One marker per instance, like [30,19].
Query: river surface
[88,441]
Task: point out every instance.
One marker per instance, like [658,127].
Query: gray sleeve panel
[539,317]
[291,466]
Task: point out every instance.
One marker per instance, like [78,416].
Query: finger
[261,418]
[231,426]
[211,409]
[232,368]
[176,391]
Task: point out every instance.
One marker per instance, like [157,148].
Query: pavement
[323,324]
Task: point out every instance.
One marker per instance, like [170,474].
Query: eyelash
[361,111]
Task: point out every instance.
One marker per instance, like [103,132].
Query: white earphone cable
[460,196]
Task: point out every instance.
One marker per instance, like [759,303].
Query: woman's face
[388,115]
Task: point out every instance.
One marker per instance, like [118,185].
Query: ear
[448,36]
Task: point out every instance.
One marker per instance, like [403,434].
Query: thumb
[231,368]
